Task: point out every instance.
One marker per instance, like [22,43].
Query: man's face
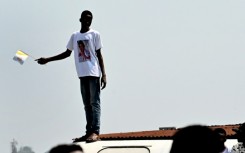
[86,20]
[222,137]
[81,45]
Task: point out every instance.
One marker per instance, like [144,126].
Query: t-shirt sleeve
[70,43]
[98,43]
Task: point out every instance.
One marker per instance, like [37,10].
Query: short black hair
[65,148]
[79,42]
[195,138]
[85,12]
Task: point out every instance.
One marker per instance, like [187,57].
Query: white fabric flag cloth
[20,57]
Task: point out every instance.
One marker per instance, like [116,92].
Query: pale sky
[168,63]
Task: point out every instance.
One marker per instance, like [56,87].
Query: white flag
[20,57]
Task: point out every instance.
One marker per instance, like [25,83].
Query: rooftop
[162,133]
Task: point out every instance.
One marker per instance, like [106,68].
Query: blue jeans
[90,90]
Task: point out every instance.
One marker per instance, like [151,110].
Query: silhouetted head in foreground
[64,148]
[195,139]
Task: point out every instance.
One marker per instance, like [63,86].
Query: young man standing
[87,46]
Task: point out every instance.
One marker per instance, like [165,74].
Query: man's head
[86,18]
[221,133]
[81,45]
[193,139]
[65,148]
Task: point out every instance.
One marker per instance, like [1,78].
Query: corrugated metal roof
[160,134]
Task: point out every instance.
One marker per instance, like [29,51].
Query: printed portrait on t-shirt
[84,52]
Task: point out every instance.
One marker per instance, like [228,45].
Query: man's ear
[80,20]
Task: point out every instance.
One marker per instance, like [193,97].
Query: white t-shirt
[85,46]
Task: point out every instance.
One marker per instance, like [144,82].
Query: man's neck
[83,30]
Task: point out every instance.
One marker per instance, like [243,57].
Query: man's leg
[94,83]
[95,103]
[85,91]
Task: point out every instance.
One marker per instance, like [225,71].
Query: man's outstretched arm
[61,56]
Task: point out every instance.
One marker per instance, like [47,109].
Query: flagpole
[28,54]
